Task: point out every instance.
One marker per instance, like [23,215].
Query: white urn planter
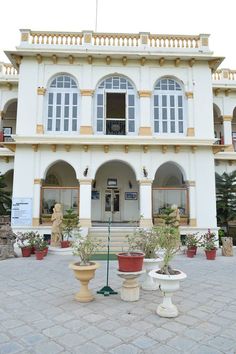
[168,284]
[150,264]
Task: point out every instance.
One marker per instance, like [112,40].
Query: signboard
[21,214]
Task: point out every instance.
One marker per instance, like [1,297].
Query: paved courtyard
[38,313]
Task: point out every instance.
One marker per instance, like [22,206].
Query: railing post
[204,42]
[25,35]
[144,36]
[87,36]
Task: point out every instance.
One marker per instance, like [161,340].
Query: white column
[36,201]
[145,114]
[40,103]
[85,202]
[227,126]
[192,203]
[86,112]
[190,125]
[145,195]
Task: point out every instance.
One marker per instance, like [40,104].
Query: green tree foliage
[5,198]
[226,198]
[69,223]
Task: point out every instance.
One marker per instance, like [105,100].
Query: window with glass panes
[168,107]
[62,105]
[115,84]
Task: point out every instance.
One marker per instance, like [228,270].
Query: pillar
[192,203]
[85,202]
[40,104]
[145,114]
[145,195]
[227,127]
[86,112]
[190,127]
[36,201]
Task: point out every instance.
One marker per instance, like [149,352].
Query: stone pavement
[38,313]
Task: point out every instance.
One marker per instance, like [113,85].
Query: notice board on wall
[21,214]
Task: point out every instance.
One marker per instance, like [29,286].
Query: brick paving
[38,313]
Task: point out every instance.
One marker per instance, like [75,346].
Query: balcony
[115,127]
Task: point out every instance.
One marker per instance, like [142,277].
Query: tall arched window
[62,105]
[168,107]
[115,107]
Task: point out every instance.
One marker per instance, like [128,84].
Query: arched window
[62,105]
[168,107]
[115,107]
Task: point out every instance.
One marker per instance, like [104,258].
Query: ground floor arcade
[128,189]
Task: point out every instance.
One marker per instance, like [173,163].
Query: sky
[216,18]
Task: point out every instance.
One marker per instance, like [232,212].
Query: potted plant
[146,241]
[23,243]
[32,237]
[191,242]
[130,261]
[40,246]
[69,223]
[209,244]
[84,270]
[168,278]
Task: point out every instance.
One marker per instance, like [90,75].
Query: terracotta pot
[45,251]
[210,254]
[194,248]
[130,262]
[39,255]
[84,273]
[190,252]
[65,244]
[26,251]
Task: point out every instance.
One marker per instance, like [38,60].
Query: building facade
[115,126]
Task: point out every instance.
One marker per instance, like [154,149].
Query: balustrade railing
[114,39]
[224,74]
[7,69]
[115,127]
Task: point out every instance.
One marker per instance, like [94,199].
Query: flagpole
[96,19]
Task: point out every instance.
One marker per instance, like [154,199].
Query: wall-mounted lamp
[130,185]
[145,172]
[85,172]
[94,184]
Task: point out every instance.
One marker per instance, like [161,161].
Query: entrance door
[112,205]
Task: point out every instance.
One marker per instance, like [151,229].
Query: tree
[226,198]
[5,199]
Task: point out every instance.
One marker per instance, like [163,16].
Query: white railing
[114,39]
[7,70]
[224,74]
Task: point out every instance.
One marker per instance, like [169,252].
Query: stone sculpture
[56,218]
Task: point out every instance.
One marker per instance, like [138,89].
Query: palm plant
[5,199]
[226,198]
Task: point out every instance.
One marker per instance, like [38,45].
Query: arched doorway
[9,120]
[115,194]
[218,125]
[60,186]
[169,188]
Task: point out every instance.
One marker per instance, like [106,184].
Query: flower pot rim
[150,260]
[76,266]
[131,254]
[170,277]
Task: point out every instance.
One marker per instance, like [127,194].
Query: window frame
[63,91]
[103,91]
[161,93]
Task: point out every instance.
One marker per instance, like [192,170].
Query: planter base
[130,286]
[167,309]
[150,283]
[84,274]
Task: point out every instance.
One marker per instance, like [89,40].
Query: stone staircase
[118,241]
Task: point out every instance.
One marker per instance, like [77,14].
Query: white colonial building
[115,126]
